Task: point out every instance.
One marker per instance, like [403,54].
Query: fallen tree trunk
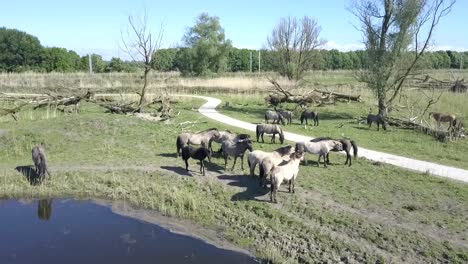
[65,101]
[355,98]
[13,111]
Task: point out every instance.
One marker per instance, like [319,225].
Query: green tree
[116,65]
[164,59]
[208,46]
[98,63]
[59,60]
[396,35]
[19,51]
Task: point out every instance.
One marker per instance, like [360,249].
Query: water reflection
[100,235]
[44,209]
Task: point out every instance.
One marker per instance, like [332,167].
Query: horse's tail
[258,132]
[179,144]
[355,148]
[302,117]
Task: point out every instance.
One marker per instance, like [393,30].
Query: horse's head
[337,145]
[281,136]
[281,118]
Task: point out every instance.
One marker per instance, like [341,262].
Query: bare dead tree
[396,34]
[140,43]
[295,40]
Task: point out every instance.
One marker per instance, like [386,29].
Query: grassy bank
[366,213]
[340,121]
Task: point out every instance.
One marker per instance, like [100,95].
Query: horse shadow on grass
[194,168]
[29,172]
[168,155]
[253,189]
[335,115]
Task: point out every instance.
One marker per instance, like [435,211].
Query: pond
[71,231]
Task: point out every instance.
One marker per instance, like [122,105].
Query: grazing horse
[321,148]
[376,119]
[444,118]
[196,153]
[287,171]
[270,129]
[310,114]
[274,116]
[288,115]
[257,156]
[203,138]
[236,149]
[40,161]
[347,145]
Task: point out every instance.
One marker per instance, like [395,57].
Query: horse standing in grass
[40,161]
[196,153]
[310,114]
[347,145]
[274,116]
[228,135]
[203,138]
[287,171]
[236,149]
[257,156]
[321,148]
[269,129]
[378,119]
[288,115]
[444,118]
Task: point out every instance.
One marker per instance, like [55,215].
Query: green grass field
[367,213]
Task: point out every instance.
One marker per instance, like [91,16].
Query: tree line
[20,51]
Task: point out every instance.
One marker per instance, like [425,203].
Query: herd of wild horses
[279,165]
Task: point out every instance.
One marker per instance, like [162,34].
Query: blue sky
[95,26]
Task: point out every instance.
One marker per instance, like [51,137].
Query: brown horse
[444,118]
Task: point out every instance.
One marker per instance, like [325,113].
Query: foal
[196,153]
[236,149]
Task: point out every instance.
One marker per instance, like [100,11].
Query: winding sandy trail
[209,110]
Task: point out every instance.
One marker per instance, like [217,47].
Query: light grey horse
[236,149]
[288,115]
[203,138]
[321,148]
[274,116]
[287,171]
[40,161]
[270,129]
[257,156]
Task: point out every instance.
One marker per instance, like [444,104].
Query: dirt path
[209,110]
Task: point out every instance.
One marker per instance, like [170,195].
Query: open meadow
[368,213]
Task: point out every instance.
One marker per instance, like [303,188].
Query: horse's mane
[283,150]
[318,139]
[210,129]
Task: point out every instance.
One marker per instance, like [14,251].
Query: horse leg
[263,141]
[293,184]
[202,167]
[235,159]
[225,161]
[242,162]
[290,182]
[252,168]
[186,165]
[328,158]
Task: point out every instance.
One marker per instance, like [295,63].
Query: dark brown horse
[347,145]
[376,119]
